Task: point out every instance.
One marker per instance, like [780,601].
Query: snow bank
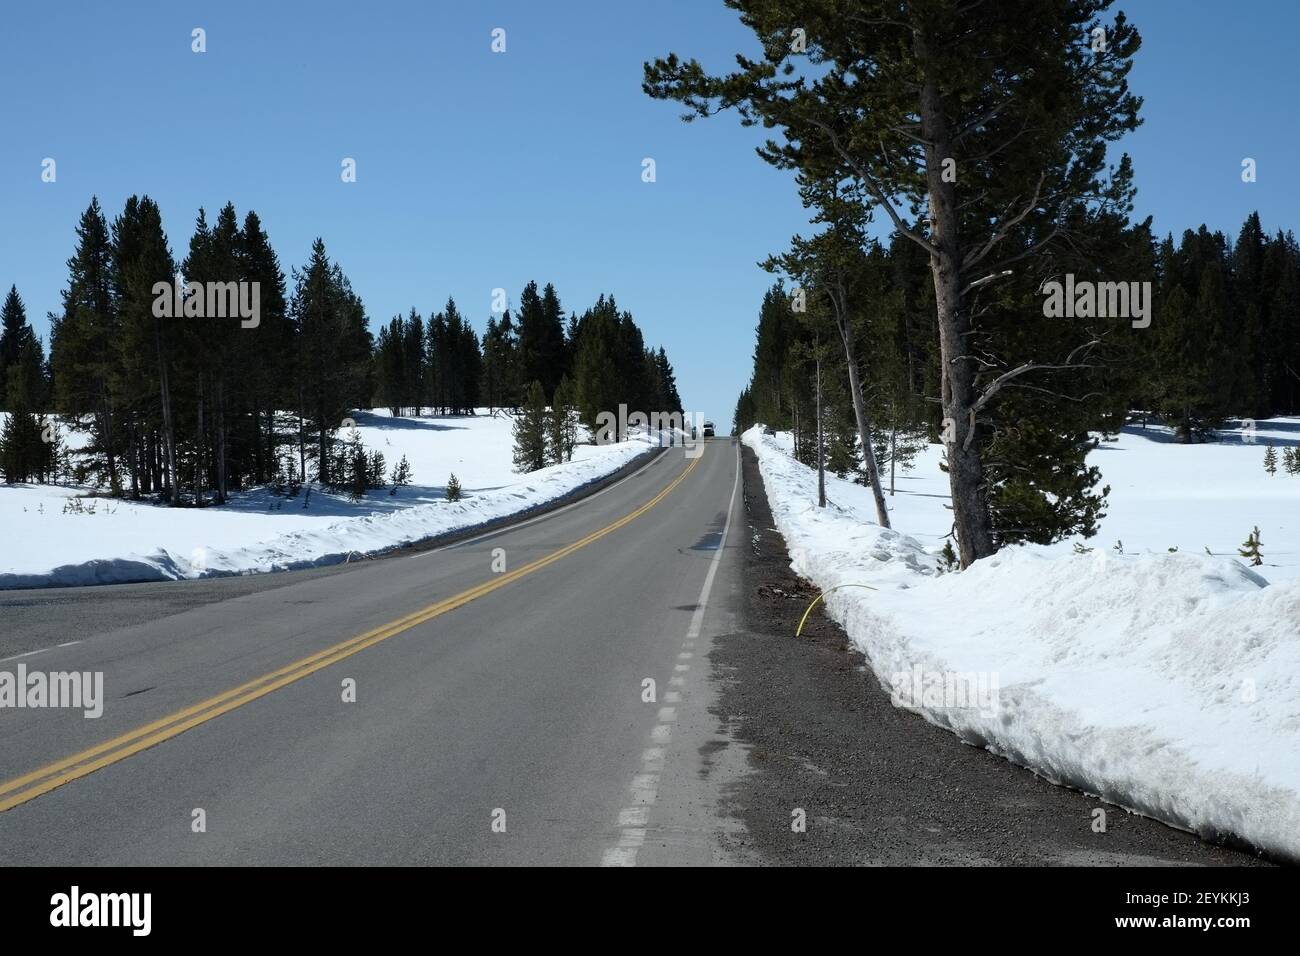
[116,541]
[1166,683]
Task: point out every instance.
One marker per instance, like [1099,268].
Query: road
[501,714]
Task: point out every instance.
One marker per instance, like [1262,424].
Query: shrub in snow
[1250,548]
[401,475]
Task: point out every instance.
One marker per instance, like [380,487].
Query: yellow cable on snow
[822,595]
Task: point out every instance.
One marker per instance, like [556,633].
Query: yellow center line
[38,782]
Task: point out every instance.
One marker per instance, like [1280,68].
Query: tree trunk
[169,432]
[219,414]
[821,456]
[200,446]
[970,507]
[864,433]
[893,456]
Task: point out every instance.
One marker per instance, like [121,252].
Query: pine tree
[530,432]
[391,389]
[561,427]
[375,475]
[454,492]
[1250,548]
[541,337]
[82,346]
[21,448]
[18,345]
[1291,460]
[891,110]
[1270,459]
[357,467]
[333,355]
[596,378]
[265,355]
[401,475]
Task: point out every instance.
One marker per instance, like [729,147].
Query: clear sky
[477,170]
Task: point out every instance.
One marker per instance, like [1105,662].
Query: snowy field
[1165,682]
[109,541]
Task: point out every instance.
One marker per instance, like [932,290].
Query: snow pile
[50,536]
[1167,683]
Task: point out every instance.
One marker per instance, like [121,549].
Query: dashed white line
[632,821]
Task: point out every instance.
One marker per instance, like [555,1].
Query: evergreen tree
[333,355]
[1270,459]
[82,346]
[375,473]
[596,379]
[454,492]
[500,364]
[19,345]
[391,389]
[1250,548]
[670,401]
[890,110]
[541,337]
[24,453]
[265,356]
[561,424]
[745,416]
[414,369]
[530,432]
[401,475]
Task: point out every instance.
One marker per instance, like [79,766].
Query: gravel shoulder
[879,785]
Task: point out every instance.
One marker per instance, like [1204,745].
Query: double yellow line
[31,785]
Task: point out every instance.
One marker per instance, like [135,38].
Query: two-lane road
[500,713]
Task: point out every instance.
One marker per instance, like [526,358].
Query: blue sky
[478,170]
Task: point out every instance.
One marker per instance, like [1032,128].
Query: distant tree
[358,466]
[24,453]
[20,346]
[401,475]
[530,432]
[333,360]
[1250,548]
[596,378]
[82,349]
[561,424]
[541,338]
[375,471]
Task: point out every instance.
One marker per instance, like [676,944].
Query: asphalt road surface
[501,713]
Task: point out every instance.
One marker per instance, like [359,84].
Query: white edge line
[623,854]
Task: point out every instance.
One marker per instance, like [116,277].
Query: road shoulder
[878,785]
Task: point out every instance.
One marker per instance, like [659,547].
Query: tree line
[188,406]
[601,355]
[1223,343]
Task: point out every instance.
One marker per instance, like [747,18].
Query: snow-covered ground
[1165,682]
[43,542]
